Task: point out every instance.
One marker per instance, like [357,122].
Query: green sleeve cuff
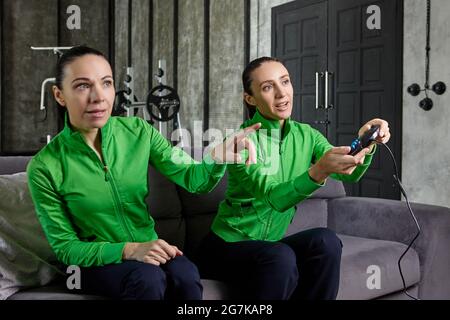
[369,156]
[373,151]
[305,185]
[213,168]
[112,252]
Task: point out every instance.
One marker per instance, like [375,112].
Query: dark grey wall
[140,55]
[175,30]
[209,50]
[141,13]
[191,67]
[39,23]
[120,39]
[227,52]
[26,23]
[95,24]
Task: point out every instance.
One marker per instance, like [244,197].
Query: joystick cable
[402,190]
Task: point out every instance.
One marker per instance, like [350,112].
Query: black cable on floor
[397,179]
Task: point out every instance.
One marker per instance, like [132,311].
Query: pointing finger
[341,150]
[251,152]
[246,131]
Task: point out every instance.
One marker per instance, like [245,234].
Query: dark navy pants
[303,266]
[178,279]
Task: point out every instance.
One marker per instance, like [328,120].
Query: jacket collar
[75,138]
[270,125]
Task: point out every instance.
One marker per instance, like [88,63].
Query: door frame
[398,89]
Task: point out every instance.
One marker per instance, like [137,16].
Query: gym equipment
[56,50]
[43,89]
[59,52]
[439,87]
[163,99]
[162,103]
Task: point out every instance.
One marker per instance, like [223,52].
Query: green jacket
[89,209]
[260,198]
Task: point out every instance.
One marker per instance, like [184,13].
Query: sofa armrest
[391,220]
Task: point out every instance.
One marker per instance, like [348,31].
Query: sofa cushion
[24,250]
[10,165]
[400,295]
[212,290]
[360,255]
[311,213]
[357,256]
[216,290]
[197,227]
[172,230]
[332,189]
[53,292]
[162,200]
[200,204]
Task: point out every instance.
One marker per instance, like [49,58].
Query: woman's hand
[155,252]
[228,151]
[336,160]
[384,135]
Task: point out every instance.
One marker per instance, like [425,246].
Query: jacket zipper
[269,220]
[281,161]
[116,199]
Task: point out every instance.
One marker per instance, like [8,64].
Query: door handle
[318,75]
[328,75]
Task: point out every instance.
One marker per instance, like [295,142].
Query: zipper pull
[106,173]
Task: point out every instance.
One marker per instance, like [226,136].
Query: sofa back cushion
[332,189]
[199,211]
[164,206]
[26,259]
[162,200]
[201,204]
[10,165]
[313,212]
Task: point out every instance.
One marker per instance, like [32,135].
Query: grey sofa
[374,232]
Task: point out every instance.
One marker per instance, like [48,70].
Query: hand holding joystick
[366,140]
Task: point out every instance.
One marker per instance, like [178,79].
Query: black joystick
[365,140]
